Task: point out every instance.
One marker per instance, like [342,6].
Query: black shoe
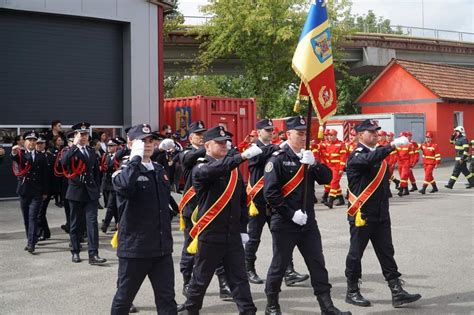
[423,189]
[65,228]
[133,309]
[330,202]
[272,308]
[399,295]
[253,277]
[324,199]
[26,248]
[449,186]
[96,260]
[292,277]
[103,228]
[339,201]
[353,295]
[76,258]
[224,291]
[181,307]
[400,192]
[397,183]
[435,188]
[42,238]
[406,191]
[327,306]
[413,188]
[30,249]
[185,290]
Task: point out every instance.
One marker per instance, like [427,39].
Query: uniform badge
[302,121]
[200,125]
[269,167]
[222,133]
[270,123]
[146,129]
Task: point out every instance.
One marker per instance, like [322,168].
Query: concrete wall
[140,46]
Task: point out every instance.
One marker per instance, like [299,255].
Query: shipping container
[237,115]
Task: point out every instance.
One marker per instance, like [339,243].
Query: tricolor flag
[313,63]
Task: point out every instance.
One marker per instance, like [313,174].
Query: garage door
[59,67]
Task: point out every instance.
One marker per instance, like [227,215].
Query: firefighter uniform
[31,169]
[365,167]
[108,167]
[283,190]
[392,162]
[218,227]
[336,154]
[461,146]
[145,242]
[414,158]
[404,154]
[431,159]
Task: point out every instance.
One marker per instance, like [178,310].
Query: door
[228,121]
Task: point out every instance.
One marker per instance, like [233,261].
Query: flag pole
[309,118]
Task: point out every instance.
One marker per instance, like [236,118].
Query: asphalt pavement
[433,237]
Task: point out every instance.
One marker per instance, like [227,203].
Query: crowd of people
[217,213]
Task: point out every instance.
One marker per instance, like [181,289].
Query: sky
[455,15]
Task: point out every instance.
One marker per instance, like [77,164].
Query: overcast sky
[456,15]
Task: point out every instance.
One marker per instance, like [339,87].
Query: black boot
[133,309]
[401,191]
[273,308]
[340,201]
[450,183]
[396,182]
[252,273]
[435,188]
[186,280]
[292,277]
[180,307]
[400,296]
[353,295]
[405,191]
[327,307]
[325,198]
[423,189]
[471,182]
[224,290]
[330,202]
[413,187]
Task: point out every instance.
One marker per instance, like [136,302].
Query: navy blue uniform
[43,227]
[221,240]
[361,168]
[286,234]
[82,194]
[31,189]
[145,241]
[109,192]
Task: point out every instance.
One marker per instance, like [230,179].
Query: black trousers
[88,209]
[43,227]
[461,168]
[111,204]
[132,273]
[309,244]
[29,208]
[186,264]
[380,235]
[255,228]
[209,255]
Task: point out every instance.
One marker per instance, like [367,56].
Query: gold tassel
[114,241]
[181,222]
[321,132]
[359,222]
[253,211]
[193,246]
[297,106]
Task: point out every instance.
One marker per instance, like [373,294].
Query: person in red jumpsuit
[336,155]
[431,159]
[404,153]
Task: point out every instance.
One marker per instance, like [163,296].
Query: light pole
[423,17]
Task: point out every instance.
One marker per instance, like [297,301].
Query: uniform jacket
[189,159]
[210,178]
[415,156]
[37,181]
[362,167]
[145,221]
[257,166]
[110,169]
[404,154]
[336,154]
[431,154]
[461,146]
[83,187]
[280,168]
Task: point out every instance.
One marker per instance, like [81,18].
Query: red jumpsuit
[415,157]
[336,156]
[431,158]
[404,154]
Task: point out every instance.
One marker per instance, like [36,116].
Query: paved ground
[433,237]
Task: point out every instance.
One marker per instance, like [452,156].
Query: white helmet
[460,129]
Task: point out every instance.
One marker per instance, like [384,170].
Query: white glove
[300,217]
[166,144]
[228,145]
[245,238]
[307,157]
[400,141]
[251,152]
[138,147]
[282,145]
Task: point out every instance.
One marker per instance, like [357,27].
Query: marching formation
[222,219]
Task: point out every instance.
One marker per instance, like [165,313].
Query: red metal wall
[238,115]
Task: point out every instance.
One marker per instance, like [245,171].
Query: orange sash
[358,202]
[217,207]
[293,183]
[253,191]
[188,195]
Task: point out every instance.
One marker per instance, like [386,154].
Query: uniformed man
[404,153]
[368,215]
[256,200]
[145,243]
[31,169]
[108,167]
[187,205]
[292,225]
[431,159]
[60,172]
[44,232]
[414,158]
[83,192]
[221,227]
[461,146]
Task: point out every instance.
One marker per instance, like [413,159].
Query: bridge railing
[411,31]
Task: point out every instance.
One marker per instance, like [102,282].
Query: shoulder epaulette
[201,160]
[359,149]
[277,152]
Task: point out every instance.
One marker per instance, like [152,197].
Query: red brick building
[445,94]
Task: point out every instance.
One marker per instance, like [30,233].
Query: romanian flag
[313,62]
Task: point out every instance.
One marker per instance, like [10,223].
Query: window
[458,119]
